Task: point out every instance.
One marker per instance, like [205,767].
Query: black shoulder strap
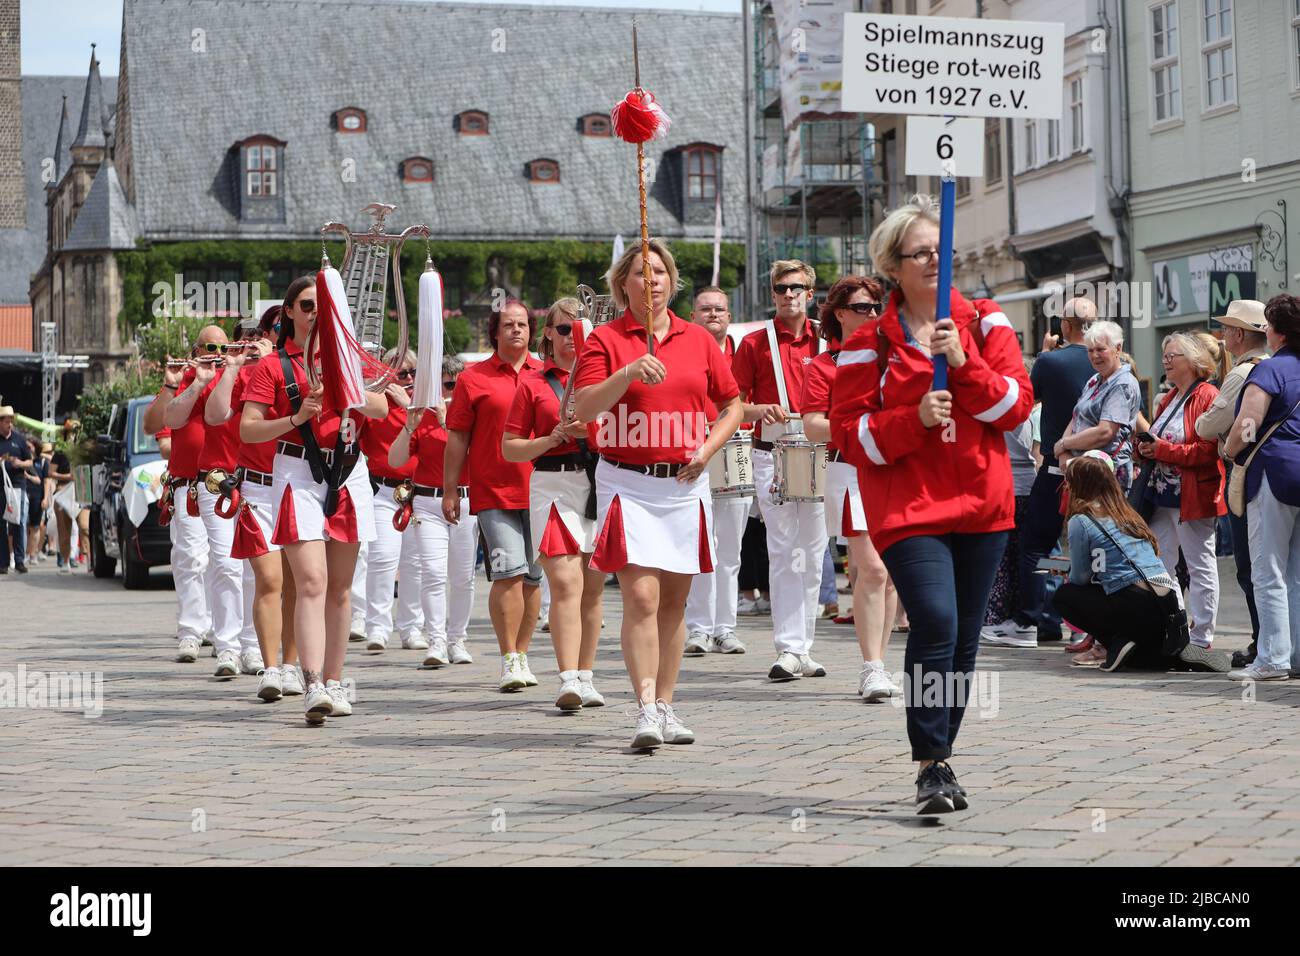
[553,378]
[314,458]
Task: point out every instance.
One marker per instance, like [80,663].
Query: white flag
[618,249]
[428,359]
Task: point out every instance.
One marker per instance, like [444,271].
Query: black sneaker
[4,570]
[956,790]
[1049,634]
[21,568]
[933,791]
[1115,657]
[1244,658]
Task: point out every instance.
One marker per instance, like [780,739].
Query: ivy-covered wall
[545,270]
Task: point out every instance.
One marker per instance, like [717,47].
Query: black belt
[175,481]
[660,469]
[570,462]
[391,482]
[762,445]
[256,477]
[834,456]
[297,451]
[429,491]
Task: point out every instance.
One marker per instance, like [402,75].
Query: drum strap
[589,461]
[777,368]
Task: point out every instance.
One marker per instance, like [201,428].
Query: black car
[113,536]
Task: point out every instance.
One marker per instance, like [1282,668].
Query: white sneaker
[415,642]
[250,662]
[187,650]
[649,729]
[511,677]
[227,665]
[728,643]
[358,631]
[318,704]
[810,667]
[697,644]
[570,692]
[525,673]
[762,606]
[1257,671]
[291,680]
[747,607]
[457,653]
[787,667]
[672,729]
[437,656]
[339,698]
[1010,634]
[590,696]
[207,641]
[269,687]
[875,684]
[376,642]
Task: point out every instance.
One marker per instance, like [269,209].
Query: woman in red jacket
[1186,487]
[934,473]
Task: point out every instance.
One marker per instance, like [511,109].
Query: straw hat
[1245,314]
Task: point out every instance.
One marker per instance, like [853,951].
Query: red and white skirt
[652,522]
[557,513]
[254,522]
[845,516]
[300,505]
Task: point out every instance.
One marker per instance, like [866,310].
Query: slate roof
[106,220]
[282,68]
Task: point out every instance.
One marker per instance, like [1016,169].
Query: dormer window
[595,124]
[417,169]
[260,171]
[703,162]
[351,119]
[471,123]
[543,171]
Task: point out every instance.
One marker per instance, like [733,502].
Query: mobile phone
[1146,436]
[1053,565]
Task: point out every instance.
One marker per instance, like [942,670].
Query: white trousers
[711,605]
[224,580]
[189,564]
[359,574]
[796,545]
[446,554]
[383,555]
[1275,572]
[1196,538]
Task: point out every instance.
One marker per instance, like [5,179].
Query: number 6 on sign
[945,146]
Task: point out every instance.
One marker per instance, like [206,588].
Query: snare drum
[731,470]
[792,427]
[799,470]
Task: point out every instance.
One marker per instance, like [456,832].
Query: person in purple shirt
[1272,398]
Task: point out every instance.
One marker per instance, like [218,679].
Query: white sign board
[950,66]
[808,34]
[945,146]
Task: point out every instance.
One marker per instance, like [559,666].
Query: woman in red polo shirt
[558,495]
[652,489]
[322,549]
[269,603]
[445,550]
[851,301]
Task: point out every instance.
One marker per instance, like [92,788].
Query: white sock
[568,676]
[585,676]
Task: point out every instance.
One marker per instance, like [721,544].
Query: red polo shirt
[536,409]
[187,441]
[817,384]
[429,450]
[261,455]
[378,437]
[220,442]
[664,422]
[479,406]
[266,386]
[752,365]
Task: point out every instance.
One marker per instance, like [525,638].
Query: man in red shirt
[498,488]
[188,535]
[796,530]
[711,605]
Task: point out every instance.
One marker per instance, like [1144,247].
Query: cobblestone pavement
[1064,766]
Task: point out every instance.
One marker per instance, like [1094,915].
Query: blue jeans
[944,583]
[1038,536]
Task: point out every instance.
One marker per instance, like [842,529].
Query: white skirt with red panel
[300,505]
[557,513]
[254,522]
[652,522]
[845,516]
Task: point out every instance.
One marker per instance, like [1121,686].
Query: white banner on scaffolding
[810,35]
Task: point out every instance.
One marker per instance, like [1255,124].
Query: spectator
[61,476]
[1245,339]
[1004,599]
[1118,589]
[1186,486]
[1107,408]
[1058,378]
[1270,412]
[16,456]
[36,501]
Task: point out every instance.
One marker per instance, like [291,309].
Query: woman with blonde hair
[1185,491]
[560,491]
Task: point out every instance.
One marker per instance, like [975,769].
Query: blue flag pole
[943,305]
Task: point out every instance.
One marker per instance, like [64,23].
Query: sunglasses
[406,374]
[214,348]
[307,305]
[783,288]
[563,328]
[864,308]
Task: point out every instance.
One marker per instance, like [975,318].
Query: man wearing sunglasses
[796,530]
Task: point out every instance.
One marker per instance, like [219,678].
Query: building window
[1053,139]
[417,169]
[993,150]
[350,120]
[471,123]
[1076,114]
[1165,88]
[702,173]
[1295,44]
[543,171]
[1031,144]
[1217,63]
[595,124]
[261,168]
